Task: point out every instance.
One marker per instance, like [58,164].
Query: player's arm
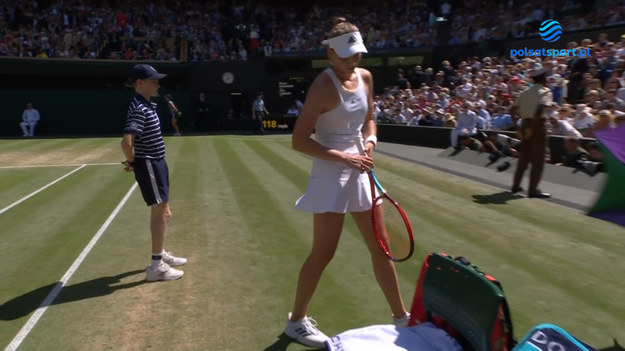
[128,148]
[369,128]
[174,107]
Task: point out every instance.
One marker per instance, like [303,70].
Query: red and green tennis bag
[465,301]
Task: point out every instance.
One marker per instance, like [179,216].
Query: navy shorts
[153,179]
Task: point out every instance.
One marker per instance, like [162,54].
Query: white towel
[387,337]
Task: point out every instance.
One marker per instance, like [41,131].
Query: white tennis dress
[333,186]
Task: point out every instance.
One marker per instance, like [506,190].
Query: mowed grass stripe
[45,237]
[32,145]
[63,217]
[15,184]
[262,273]
[60,151]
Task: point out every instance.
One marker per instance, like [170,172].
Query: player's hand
[369,149]
[362,163]
[127,166]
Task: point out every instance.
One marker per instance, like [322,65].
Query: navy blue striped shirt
[144,124]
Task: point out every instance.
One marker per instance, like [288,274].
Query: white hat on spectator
[346,45]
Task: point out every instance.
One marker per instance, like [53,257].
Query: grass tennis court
[233,217]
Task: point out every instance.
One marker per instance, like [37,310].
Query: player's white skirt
[334,187]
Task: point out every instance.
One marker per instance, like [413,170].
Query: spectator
[611,98]
[30,118]
[605,119]
[583,119]
[466,142]
[500,145]
[293,110]
[427,119]
[502,119]
[574,153]
[402,82]
[562,127]
[578,66]
[594,161]
[413,122]
[439,119]
[466,123]
[484,114]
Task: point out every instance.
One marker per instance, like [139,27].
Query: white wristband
[372,139]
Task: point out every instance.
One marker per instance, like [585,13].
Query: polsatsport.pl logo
[550,31]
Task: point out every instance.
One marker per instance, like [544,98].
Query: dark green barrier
[70,112]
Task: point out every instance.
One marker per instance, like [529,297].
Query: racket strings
[392,229]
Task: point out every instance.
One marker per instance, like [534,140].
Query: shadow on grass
[283,342]
[616,347]
[25,304]
[500,198]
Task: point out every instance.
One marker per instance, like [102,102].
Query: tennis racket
[391,226]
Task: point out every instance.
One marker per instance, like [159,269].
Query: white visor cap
[346,45]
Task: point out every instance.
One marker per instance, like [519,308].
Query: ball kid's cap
[143,71]
[346,45]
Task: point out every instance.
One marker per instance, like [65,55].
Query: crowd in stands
[235,30]
[476,95]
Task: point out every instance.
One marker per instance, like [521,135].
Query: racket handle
[360,146]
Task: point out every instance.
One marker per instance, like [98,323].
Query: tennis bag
[463,300]
[550,337]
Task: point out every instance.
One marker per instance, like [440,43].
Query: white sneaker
[173,260]
[305,332]
[402,322]
[162,272]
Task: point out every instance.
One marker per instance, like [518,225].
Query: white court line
[30,324]
[39,190]
[63,165]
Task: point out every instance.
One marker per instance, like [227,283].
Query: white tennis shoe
[162,272]
[305,332]
[402,322]
[173,260]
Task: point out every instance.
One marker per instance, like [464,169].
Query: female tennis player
[339,109]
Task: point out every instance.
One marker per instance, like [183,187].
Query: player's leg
[153,179]
[524,158]
[383,268]
[538,161]
[159,218]
[327,229]
[174,123]
[326,234]
[454,137]
[24,126]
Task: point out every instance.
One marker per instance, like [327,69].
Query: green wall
[68,112]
